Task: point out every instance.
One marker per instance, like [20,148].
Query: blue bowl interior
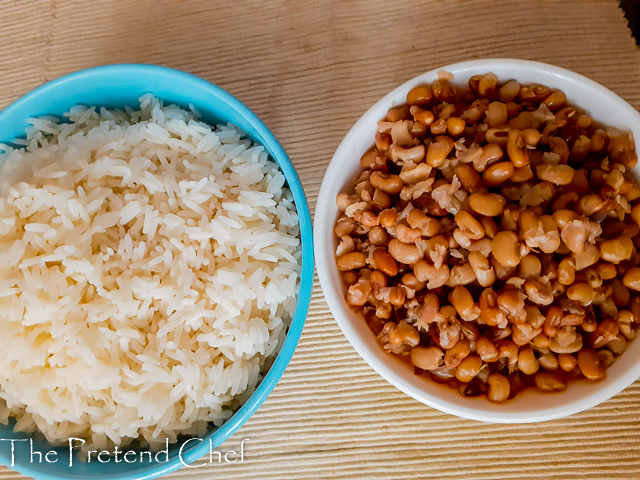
[117,86]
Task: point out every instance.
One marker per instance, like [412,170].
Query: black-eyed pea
[580,148]
[469,178]
[534,92]
[345,200]
[352,261]
[463,302]
[491,153]
[423,116]
[567,362]
[486,349]
[555,101]
[606,357]
[571,341]
[538,194]
[427,272]
[474,82]
[564,116]
[344,226]
[369,219]
[488,204]
[469,225]
[509,350]
[378,279]
[560,147]
[575,235]
[490,227]
[523,334]
[443,90]
[396,114]
[498,173]
[404,335]
[599,140]
[390,184]
[615,250]
[384,261]
[488,85]
[517,149]
[631,279]
[589,364]
[522,174]
[618,345]
[538,292]
[556,174]
[455,126]
[583,293]
[607,271]
[378,236]
[513,110]
[527,361]
[454,356]
[517,383]
[540,341]
[587,258]
[404,252]
[496,114]
[358,293]
[439,127]
[387,218]
[548,361]
[484,272]
[411,281]
[350,277]
[550,381]
[498,136]
[531,136]
[461,274]
[490,311]
[383,143]
[567,271]
[509,91]
[469,368]
[499,388]
[407,234]
[620,294]
[506,248]
[373,160]
[381,200]
[420,95]
[583,121]
[426,358]
[438,150]
[553,320]
[589,324]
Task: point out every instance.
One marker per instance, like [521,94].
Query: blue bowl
[116,86]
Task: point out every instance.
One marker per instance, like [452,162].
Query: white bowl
[529,406]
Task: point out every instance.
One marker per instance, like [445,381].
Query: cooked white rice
[149,266]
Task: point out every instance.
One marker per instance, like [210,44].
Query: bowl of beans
[477,239]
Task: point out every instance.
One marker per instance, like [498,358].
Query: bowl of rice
[156,267]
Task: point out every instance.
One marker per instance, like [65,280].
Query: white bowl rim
[325,259]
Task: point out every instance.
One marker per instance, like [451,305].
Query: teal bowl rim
[240,416]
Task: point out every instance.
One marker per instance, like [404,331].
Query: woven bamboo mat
[309,69]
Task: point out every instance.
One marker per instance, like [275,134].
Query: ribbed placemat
[309,69]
